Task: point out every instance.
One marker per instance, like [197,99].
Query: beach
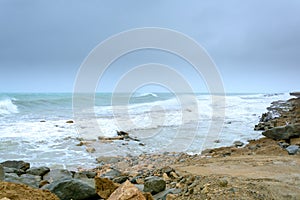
[261,168]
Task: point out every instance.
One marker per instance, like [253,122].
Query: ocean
[33,126]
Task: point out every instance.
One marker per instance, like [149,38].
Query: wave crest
[7,107]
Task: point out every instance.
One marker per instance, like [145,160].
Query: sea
[33,126]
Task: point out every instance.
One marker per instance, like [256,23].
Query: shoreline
[256,170]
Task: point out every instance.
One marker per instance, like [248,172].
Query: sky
[254,44]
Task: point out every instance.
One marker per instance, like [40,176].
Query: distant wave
[7,107]
[146,94]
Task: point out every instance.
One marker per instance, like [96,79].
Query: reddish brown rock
[20,192]
[127,191]
[105,187]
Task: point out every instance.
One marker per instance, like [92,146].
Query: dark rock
[16,164]
[238,144]
[154,185]
[14,170]
[266,117]
[2,175]
[283,132]
[120,179]
[74,189]
[83,177]
[292,149]
[38,171]
[26,179]
[113,173]
[122,133]
[296,94]
[70,122]
[57,174]
[283,144]
[104,187]
[89,174]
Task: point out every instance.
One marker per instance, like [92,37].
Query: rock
[283,144]
[127,191]
[283,132]
[70,122]
[38,171]
[171,196]
[57,174]
[167,170]
[148,196]
[122,133]
[120,179]
[292,149]
[83,177]
[113,173]
[14,170]
[154,185]
[90,149]
[238,144]
[27,179]
[16,164]
[74,189]
[15,191]
[104,187]
[2,175]
[296,94]
[223,182]
[164,194]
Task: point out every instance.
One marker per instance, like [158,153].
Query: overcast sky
[255,44]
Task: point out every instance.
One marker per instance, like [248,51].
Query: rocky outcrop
[127,191]
[283,132]
[282,123]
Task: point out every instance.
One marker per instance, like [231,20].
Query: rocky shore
[267,168]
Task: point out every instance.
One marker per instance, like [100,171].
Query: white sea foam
[156,123]
[7,107]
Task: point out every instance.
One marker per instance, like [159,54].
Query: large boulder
[16,164]
[105,187]
[27,179]
[154,185]
[74,189]
[127,191]
[38,171]
[283,132]
[57,174]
